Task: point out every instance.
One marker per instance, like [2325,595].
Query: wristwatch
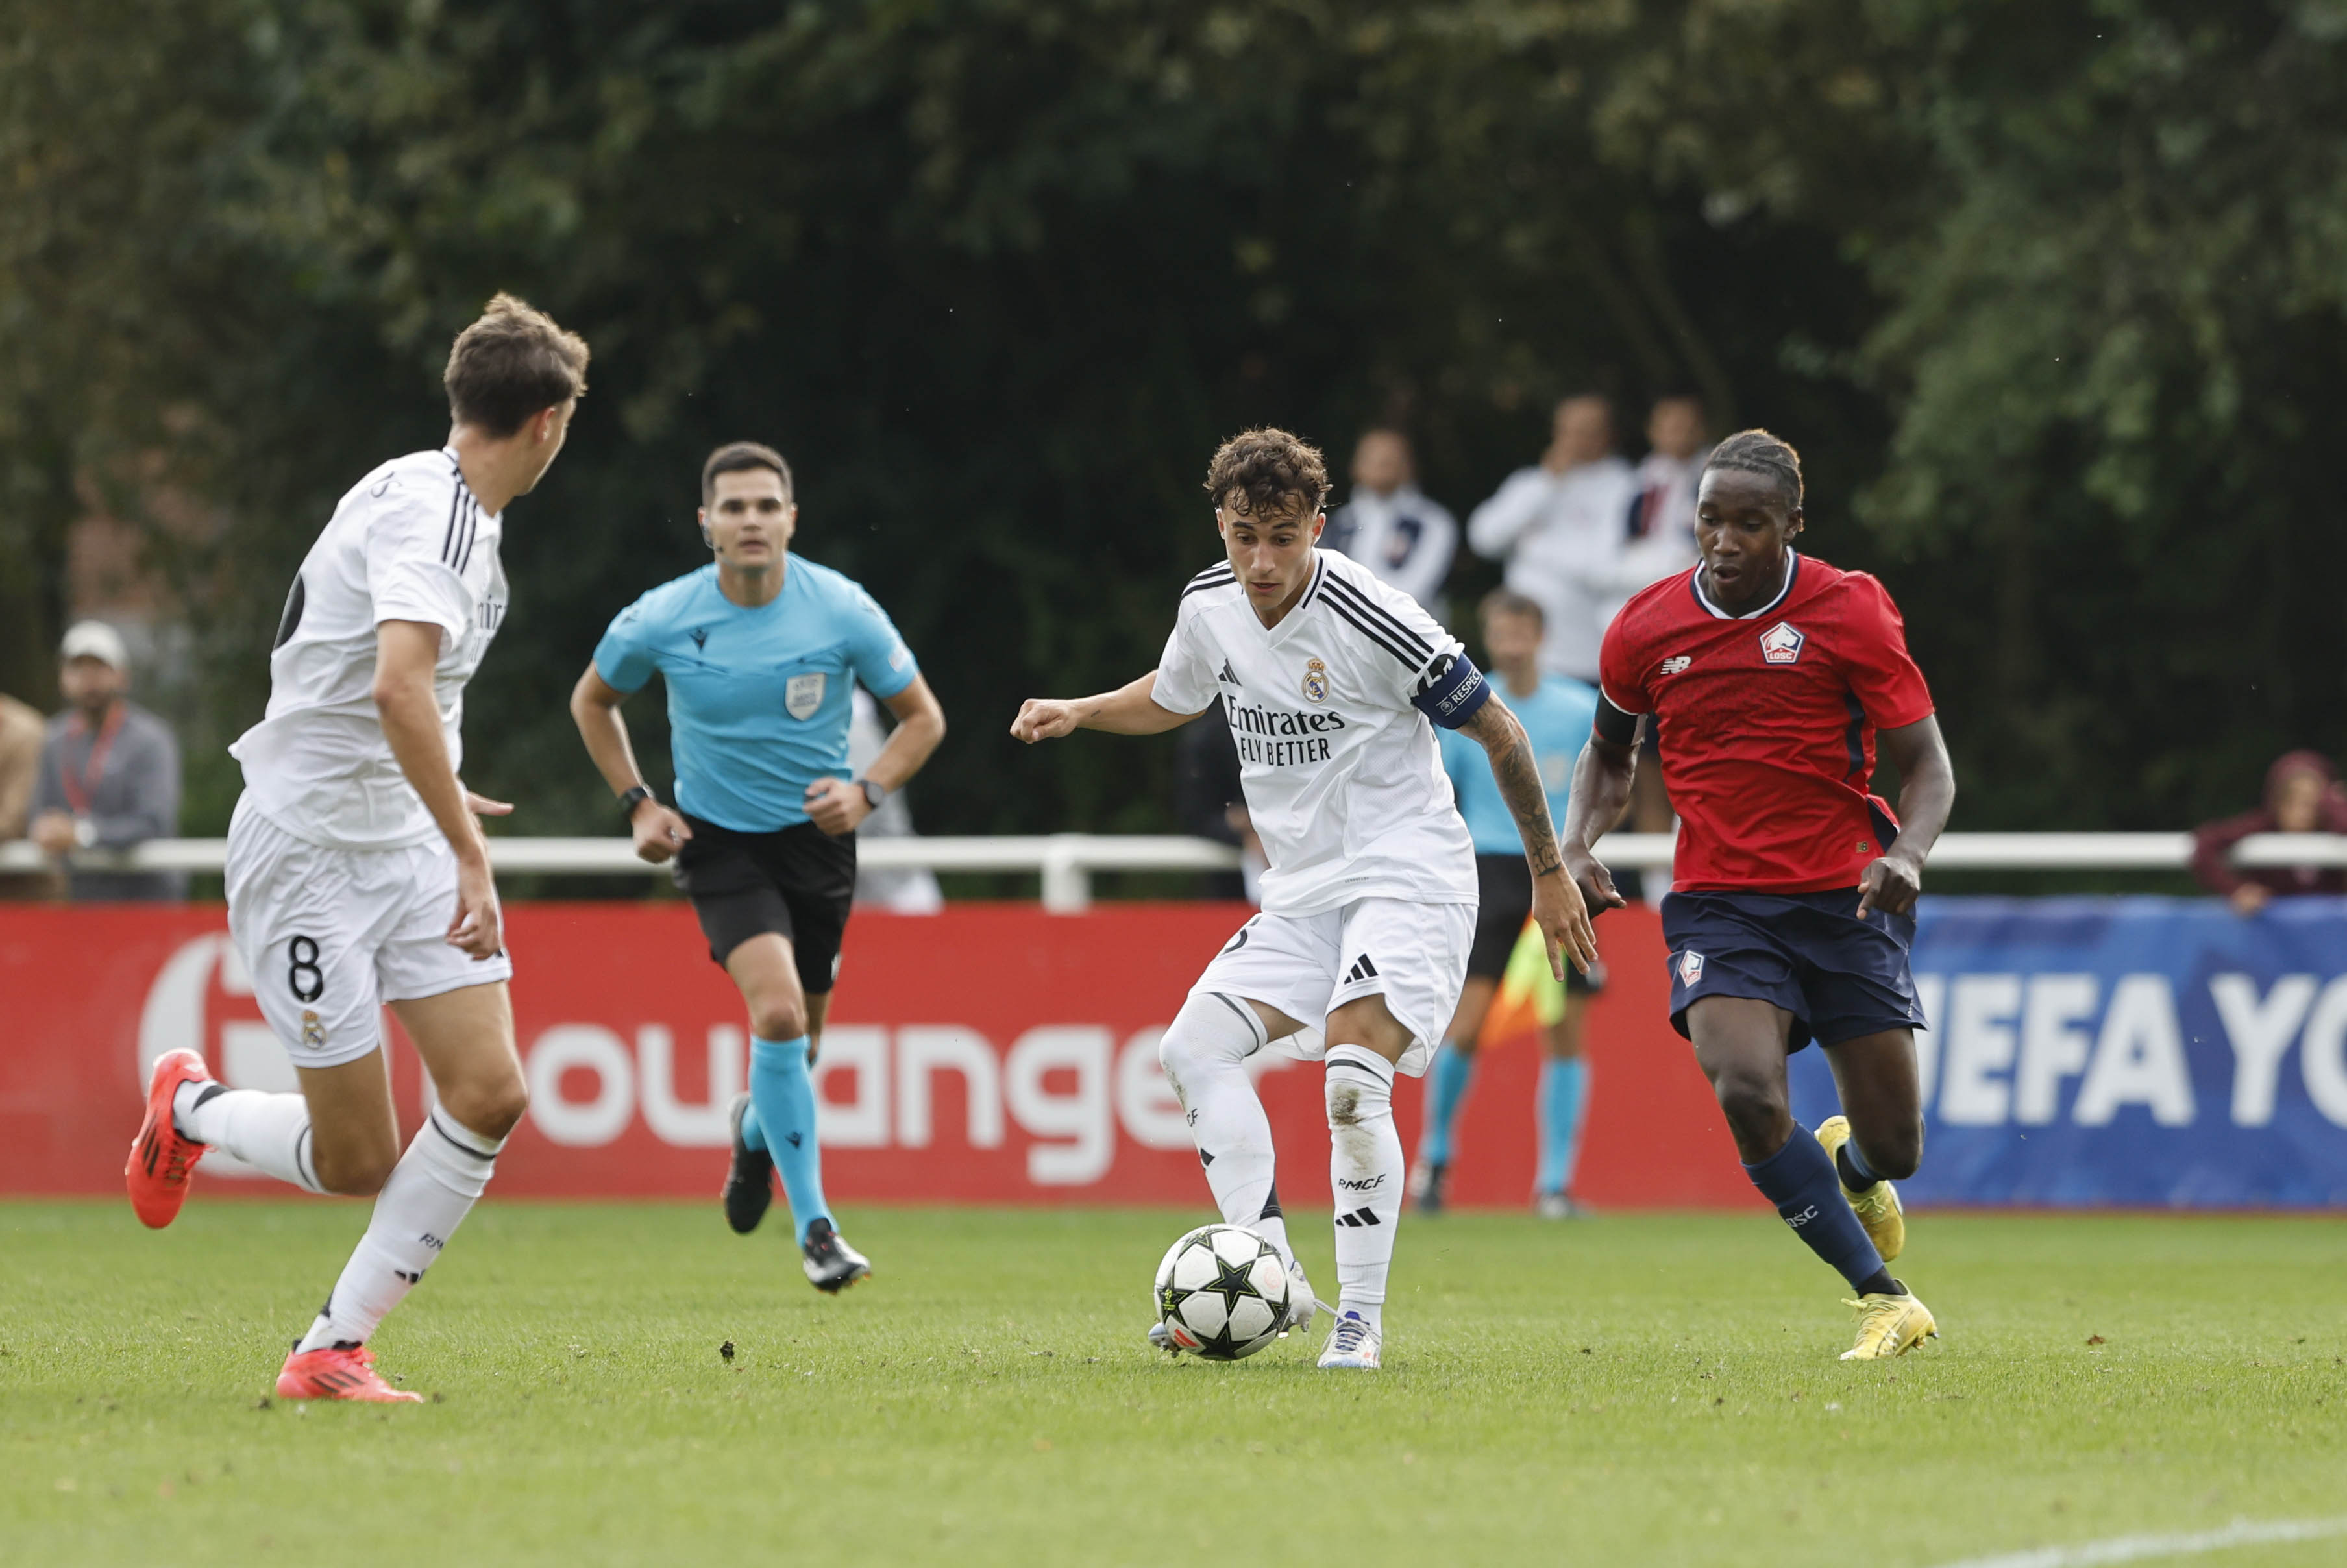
[630,798]
[873,793]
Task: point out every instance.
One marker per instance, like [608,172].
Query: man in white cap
[110,774]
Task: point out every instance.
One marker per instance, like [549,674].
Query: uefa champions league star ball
[1222,1292]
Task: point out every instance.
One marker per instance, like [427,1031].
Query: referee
[760,651]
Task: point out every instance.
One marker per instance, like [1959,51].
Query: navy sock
[1851,1166]
[1807,1190]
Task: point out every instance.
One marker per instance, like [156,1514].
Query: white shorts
[331,935]
[1414,955]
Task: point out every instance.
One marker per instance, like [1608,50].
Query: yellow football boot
[1878,1206]
[1889,1327]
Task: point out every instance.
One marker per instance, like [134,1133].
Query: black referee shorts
[1503,891]
[796,882]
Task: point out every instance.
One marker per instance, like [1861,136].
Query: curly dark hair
[1262,473]
[1759,452]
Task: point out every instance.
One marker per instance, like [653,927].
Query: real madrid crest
[1315,681]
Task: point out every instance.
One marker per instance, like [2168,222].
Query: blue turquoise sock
[1564,1088]
[1803,1185]
[1446,1091]
[782,1091]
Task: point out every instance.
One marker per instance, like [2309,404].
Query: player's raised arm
[1557,904]
[1927,793]
[1130,710]
[1602,781]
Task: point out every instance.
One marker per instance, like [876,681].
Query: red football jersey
[1767,722]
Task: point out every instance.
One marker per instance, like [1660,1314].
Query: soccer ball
[1222,1292]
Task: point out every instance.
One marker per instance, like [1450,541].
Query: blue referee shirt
[1557,717]
[758,700]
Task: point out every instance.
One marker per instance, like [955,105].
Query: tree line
[2049,294]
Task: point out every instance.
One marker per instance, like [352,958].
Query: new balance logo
[1362,969]
[1358,1218]
[1228,676]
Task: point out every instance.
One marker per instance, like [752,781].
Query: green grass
[1628,1391]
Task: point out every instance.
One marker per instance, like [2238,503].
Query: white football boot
[1352,1345]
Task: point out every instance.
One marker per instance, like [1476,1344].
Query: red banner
[991,1053]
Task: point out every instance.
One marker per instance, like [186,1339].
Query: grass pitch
[1623,1390]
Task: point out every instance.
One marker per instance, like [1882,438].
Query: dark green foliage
[998,276]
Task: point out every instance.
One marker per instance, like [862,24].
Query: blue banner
[2131,1051]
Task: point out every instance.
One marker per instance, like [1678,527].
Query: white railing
[1066,861]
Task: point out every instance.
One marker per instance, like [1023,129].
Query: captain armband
[1452,691]
[1613,725]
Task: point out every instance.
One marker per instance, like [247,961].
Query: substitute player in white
[356,872]
[1331,681]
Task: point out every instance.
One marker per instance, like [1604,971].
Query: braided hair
[1759,452]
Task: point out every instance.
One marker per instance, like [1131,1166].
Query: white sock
[271,1132]
[1205,1052]
[1365,1171]
[431,1190]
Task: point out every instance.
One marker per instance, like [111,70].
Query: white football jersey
[409,542]
[1343,780]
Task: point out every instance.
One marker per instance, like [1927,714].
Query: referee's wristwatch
[873,793]
[632,797]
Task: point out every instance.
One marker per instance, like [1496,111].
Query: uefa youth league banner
[2136,1052]
[2146,1052]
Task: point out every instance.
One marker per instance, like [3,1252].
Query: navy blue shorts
[1840,976]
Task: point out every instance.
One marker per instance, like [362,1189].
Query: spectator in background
[1659,536]
[22,730]
[1210,800]
[902,890]
[109,771]
[1560,526]
[1389,527]
[2302,795]
[1659,540]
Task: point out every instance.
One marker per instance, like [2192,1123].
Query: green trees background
[2050,294]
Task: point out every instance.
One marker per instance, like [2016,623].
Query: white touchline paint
[2136,1548]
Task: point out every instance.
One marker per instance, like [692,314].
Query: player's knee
[1752,1101]
[779,1020]
[493,1107]
[1895,1152]
[1207,1031]
[354,1172]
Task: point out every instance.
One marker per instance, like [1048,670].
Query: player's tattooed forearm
[1517,772]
